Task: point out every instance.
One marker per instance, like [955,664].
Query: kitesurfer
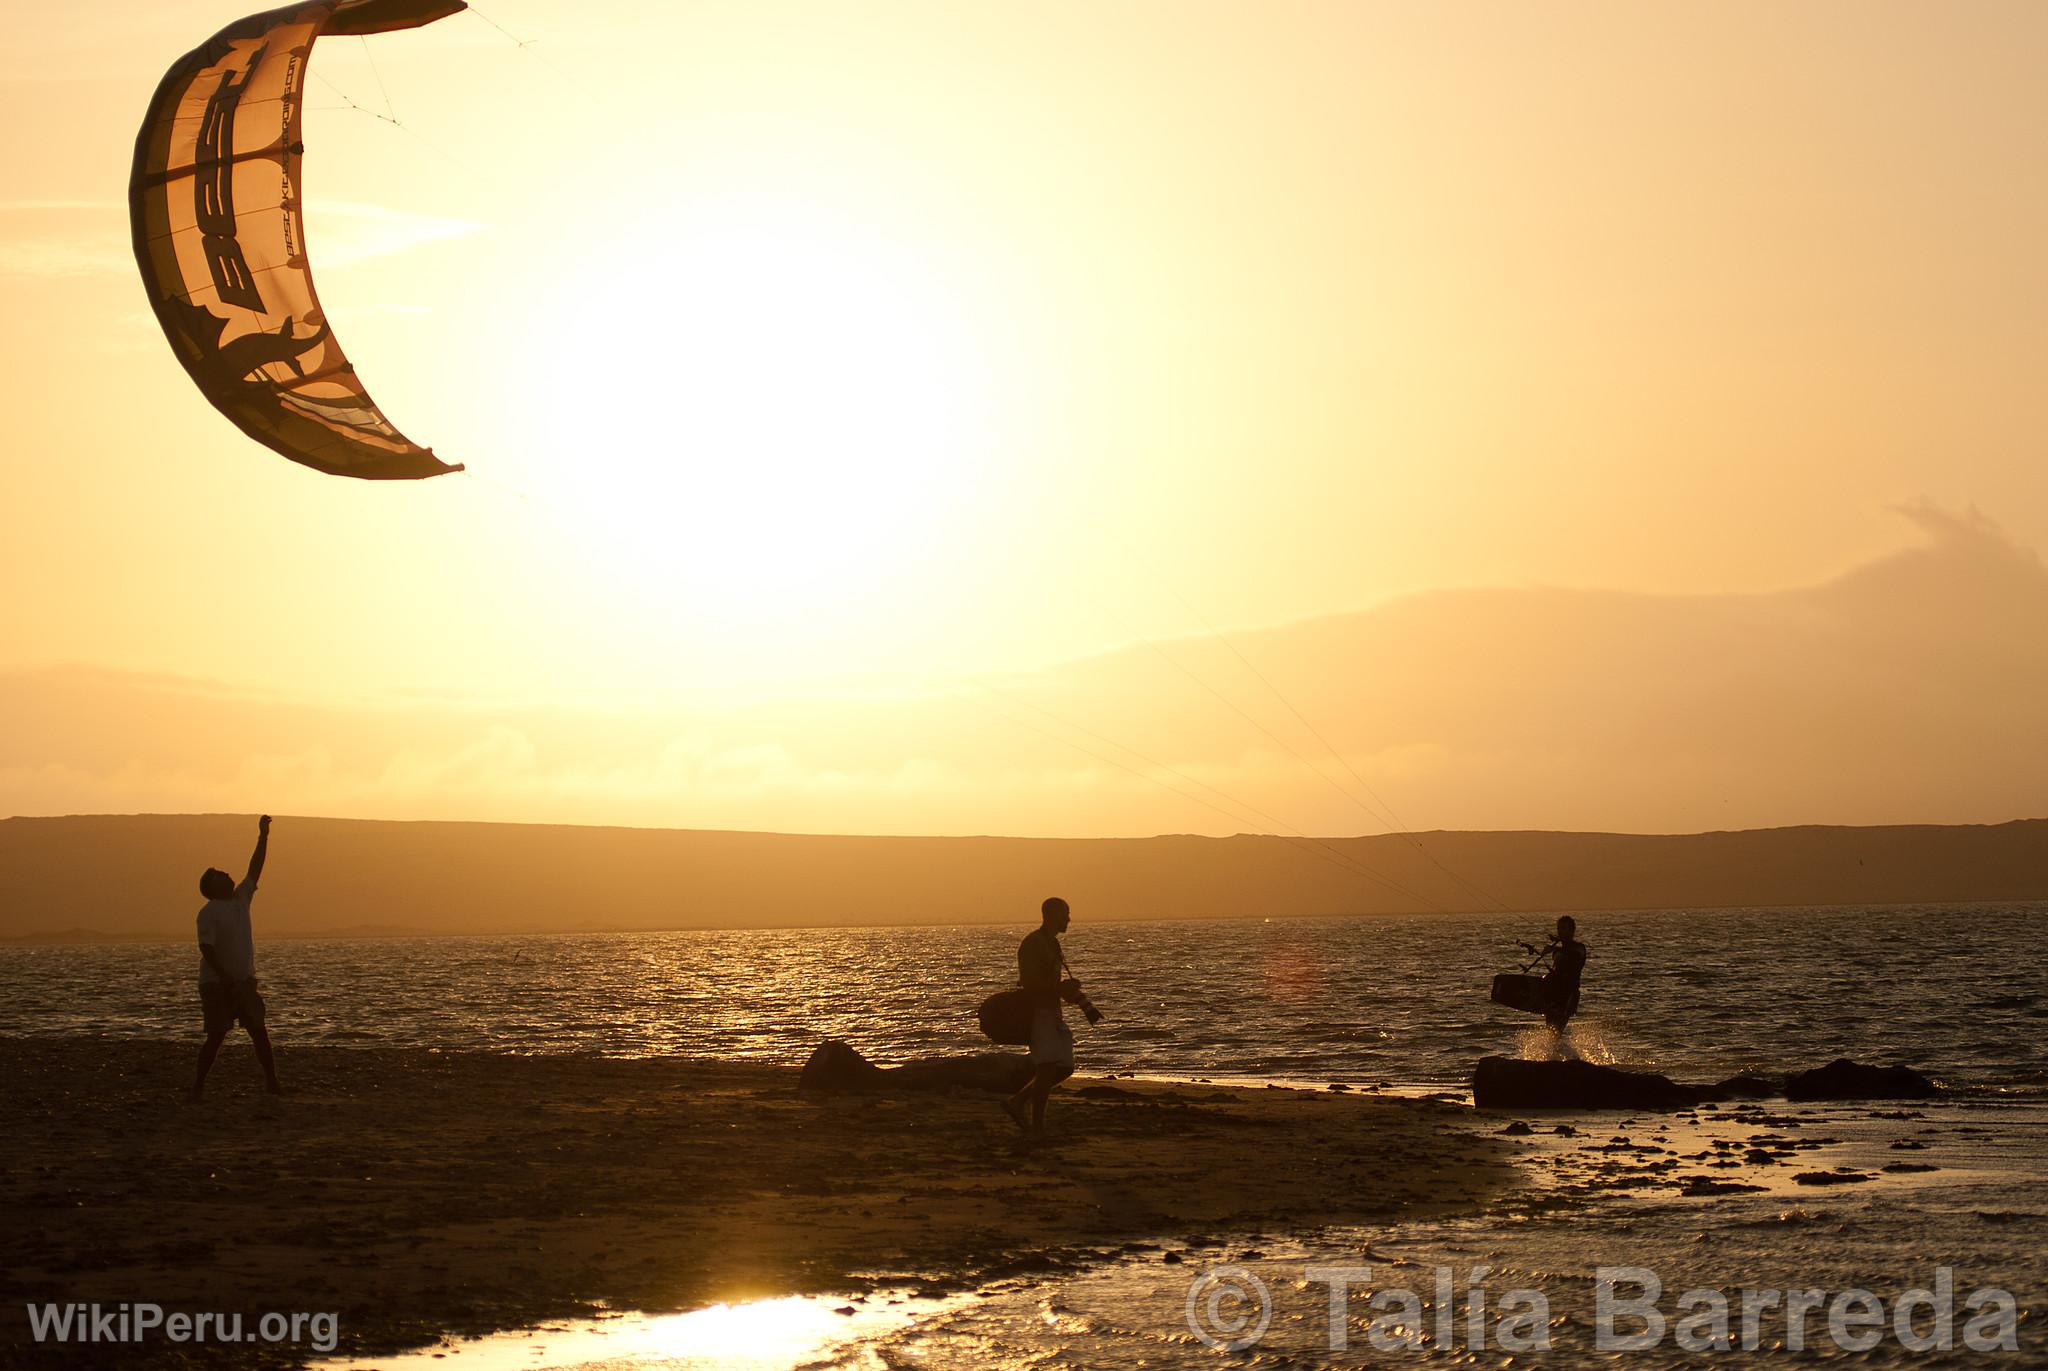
[1567,963]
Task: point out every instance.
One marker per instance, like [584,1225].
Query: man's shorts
[1051,1040]
[225,1006]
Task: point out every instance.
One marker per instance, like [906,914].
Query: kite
[218,221]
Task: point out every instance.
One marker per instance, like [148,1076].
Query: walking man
[1040,969]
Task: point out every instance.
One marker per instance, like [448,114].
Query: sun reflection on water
[753,1335]
[741,1337]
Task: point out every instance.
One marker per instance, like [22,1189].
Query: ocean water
[1401,1002]
[1949,1197]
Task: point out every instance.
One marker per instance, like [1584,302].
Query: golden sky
[821,368]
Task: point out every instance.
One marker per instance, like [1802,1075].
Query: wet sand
[417,1194]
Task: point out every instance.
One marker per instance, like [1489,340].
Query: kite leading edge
[215,209]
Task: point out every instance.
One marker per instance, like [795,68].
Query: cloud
[343,313]
[40,206]
[59,238]
[1905,690]
[344,232]
[95,238]
[56,258]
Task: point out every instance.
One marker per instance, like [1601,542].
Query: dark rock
[1830,1177]
[1510,1083]
[1517,1129]
[834,1066]
[1001,1073]
[1843,1079]
[1747,1086]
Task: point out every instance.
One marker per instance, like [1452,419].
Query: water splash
[1581,1041]
[1587,1040]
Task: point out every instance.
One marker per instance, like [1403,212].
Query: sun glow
[762,1333]
[774,408]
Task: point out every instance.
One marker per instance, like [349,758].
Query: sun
[765,406]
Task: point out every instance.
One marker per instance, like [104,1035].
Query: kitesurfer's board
[1530,994]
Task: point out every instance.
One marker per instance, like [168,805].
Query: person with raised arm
[228,992]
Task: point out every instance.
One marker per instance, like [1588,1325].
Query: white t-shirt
[224,927]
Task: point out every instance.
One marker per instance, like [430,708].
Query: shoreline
[93,937]
[420,1194]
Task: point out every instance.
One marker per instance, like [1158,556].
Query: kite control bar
[1536,954]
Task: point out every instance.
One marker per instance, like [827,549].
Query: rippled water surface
[1957,991]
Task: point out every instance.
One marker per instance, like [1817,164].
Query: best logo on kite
[215,210]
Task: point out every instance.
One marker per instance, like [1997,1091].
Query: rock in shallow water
[1747,1086]
[1511,1083]
[1843,1079]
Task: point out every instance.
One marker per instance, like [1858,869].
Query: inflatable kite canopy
[215,208]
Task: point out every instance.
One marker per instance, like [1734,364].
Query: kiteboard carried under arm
[218,223]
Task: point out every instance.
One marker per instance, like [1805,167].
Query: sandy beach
[416,1194]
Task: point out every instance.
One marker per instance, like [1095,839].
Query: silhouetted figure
[227,964]
[1567,963]
[1041,968]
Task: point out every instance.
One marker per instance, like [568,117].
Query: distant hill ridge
[84,878]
